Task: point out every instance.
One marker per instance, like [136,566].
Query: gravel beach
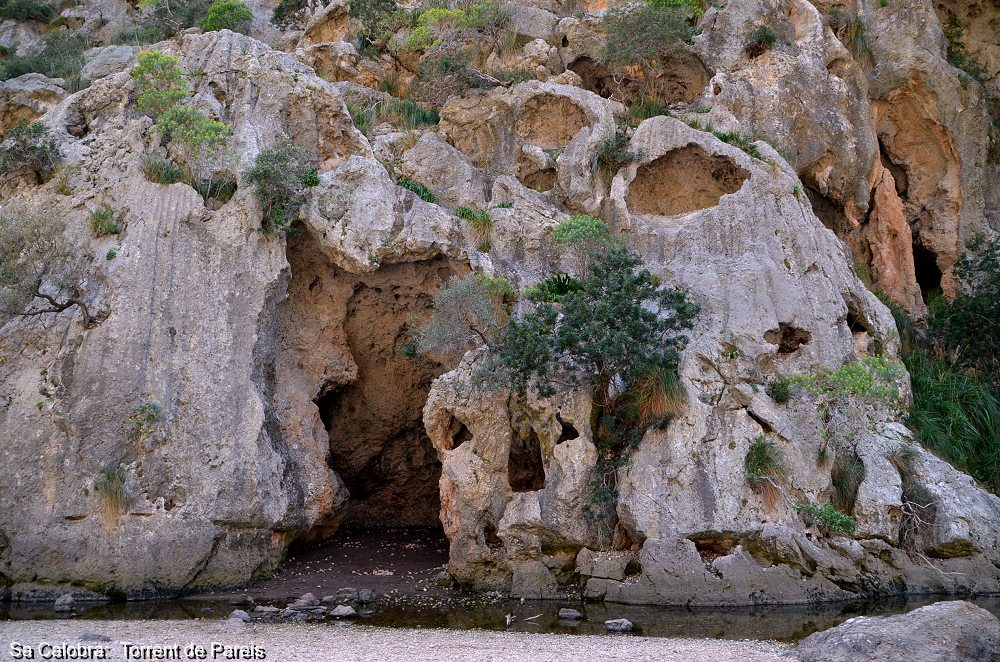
[310,642]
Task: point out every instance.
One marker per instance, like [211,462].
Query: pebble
[241,615]
[618,625]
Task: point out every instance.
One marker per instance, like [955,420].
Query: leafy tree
[228,15]
[279,175]
[27,10]
[161,83]
[620,324]
[33,249]
[644,36]
[165,19]
[29,148]
[467,311]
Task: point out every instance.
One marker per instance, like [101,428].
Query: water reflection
[784,623]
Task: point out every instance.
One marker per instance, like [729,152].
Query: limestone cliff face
[285,408]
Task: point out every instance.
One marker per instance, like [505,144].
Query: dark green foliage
[645,109]
[27,10]
[410,113]
[62,57]
[829,520]
[228,15]
[444,73]
[102,221]
[279,177]
[380,18]
[166,19]
[764,462]
[620,322]
[642,34]
[29,148]
[422,191]
[737,140]
[779,390]
[160,170]
[761,39]
[967,329]
[612,154]
[216,188]
[552,290]
[960,58]
[289,13]
[957,416]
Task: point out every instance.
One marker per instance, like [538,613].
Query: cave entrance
[378,445]
[927,271]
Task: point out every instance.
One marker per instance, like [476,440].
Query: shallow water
[782,623]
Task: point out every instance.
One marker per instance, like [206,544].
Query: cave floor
[395,560]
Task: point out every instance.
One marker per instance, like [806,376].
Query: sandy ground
[289,642]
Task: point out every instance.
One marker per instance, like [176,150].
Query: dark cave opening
[927,271]
[525,471]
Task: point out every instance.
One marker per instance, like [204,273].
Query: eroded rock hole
[525,472]
[682,181]
[927,271]
[787,337]
[712,544]
[459,433]
[683,80]
[540,180]
[550,121]
[568,433]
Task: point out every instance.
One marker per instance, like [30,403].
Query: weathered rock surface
[941,632]
[285,408]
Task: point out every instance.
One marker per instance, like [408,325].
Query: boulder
[28,97]
[566,614]
[343,611]
[941,632]
[65,603]
[618,625]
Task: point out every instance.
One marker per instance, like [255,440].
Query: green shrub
[410,114]
[957,416]
[871,378]
[160,170]
[467,311]
[737,140]
[165,19]
[847,474]
[161,84]
[761,39]
[290,14]
[280,175]
[29,147]
[553,289]
[581,230]
[381,19]
[481,223]
[967,329]
[828,519]
[612,155]
[228,15]
[102,221]
[645,109]
[779,391]
[422,191]
[111,254]
[958,57]
[28,10]
[62,57]
[645,36]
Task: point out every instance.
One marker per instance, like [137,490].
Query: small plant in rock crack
[779,390]
[827,519]
[421,191]
[280,176]
[102,221]
[29,147]
[612,155]
[144,418]
[761,39]
[111,486]
[481,223]
[765,467]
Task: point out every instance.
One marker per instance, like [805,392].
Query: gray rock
[618,625]
[347,595]
[343,611]
[65,603]
[242,601]
[239,614]
[942,632]
[305,603]
[329,600]
[106,61]
[266,612]
[366,595]
[566,614]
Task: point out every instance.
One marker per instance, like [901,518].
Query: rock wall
[284,410]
